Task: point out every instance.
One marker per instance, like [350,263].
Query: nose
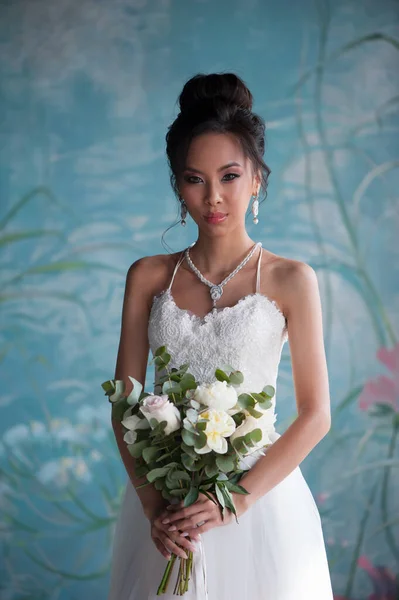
[213,196]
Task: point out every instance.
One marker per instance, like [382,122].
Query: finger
[188,522]
[164,551]
[182,513]
[175,537]
[170,545]
[196,531]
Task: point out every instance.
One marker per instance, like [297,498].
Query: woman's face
[217,178]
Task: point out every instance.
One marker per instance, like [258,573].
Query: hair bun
[215,89]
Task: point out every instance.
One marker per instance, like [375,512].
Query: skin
[291,284]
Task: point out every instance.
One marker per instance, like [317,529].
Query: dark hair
[219,103]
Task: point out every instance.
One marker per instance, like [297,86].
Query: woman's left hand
[185,520]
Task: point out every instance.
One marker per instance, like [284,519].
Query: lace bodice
[249,336]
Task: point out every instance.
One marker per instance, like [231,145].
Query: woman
[232,302]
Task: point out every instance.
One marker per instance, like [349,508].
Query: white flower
[219,426]
[217,395]
[265,423]
[161,409]
[133,423]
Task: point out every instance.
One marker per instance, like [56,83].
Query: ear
[256,184]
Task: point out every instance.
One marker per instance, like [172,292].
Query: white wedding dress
[277,550]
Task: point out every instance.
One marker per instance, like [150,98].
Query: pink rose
[161,409]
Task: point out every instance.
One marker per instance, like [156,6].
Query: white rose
[161,409]
[217,395]
[265,423]
[219,426]
[133,423]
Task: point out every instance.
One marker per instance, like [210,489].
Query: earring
[183,212]
[255,208]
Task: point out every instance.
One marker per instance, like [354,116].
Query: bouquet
[192,437]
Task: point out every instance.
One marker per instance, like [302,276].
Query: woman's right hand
[166,541]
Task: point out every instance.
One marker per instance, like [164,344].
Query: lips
[215,217]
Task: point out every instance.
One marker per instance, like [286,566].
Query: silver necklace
[216,290]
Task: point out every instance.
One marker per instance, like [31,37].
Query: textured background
[88,90]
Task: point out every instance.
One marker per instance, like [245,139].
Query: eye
[190,177]
[234,175]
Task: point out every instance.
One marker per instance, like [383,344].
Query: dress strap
[258,270]
[175,269]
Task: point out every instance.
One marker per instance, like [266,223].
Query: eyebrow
[230,164]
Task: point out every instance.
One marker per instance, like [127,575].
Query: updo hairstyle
[218,103]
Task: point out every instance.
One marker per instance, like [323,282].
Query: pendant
[216,292]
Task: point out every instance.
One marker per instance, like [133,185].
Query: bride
[226,299]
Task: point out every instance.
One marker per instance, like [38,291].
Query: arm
[310,376]
[132,360]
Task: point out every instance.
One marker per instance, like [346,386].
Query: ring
[200,523]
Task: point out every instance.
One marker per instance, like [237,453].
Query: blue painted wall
[88,90]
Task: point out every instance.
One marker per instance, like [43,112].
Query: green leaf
[265,405]
[119,408]
[188,462]
[159,351]
[256,435]
[178,492]
[157,473]
[238,489]
[180,475]
[211,470]
[137,448]
[192,496]
[236,377]
[141,471]
[269,391]
[220,496]
[225,463]
[239,418]
[150,453]
[159,484]
[188,382]
[245,400]
[221,375]
[200,440]
[255,413]
[188,450]
[188,437]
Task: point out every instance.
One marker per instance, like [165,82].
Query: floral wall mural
[88,91]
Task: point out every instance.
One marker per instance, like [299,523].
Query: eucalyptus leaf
[245,400]
[150,453]
[200,440]
[269,390]
[189,450]
[211,470]
[188,437]
[180,475]
[137,448]
[225,463]
[192,496]
[256,435]
[188,462]
[255,413]
[236,377]
[157,473]
[221,375]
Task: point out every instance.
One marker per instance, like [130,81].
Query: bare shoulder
[294,281]
[150,273]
